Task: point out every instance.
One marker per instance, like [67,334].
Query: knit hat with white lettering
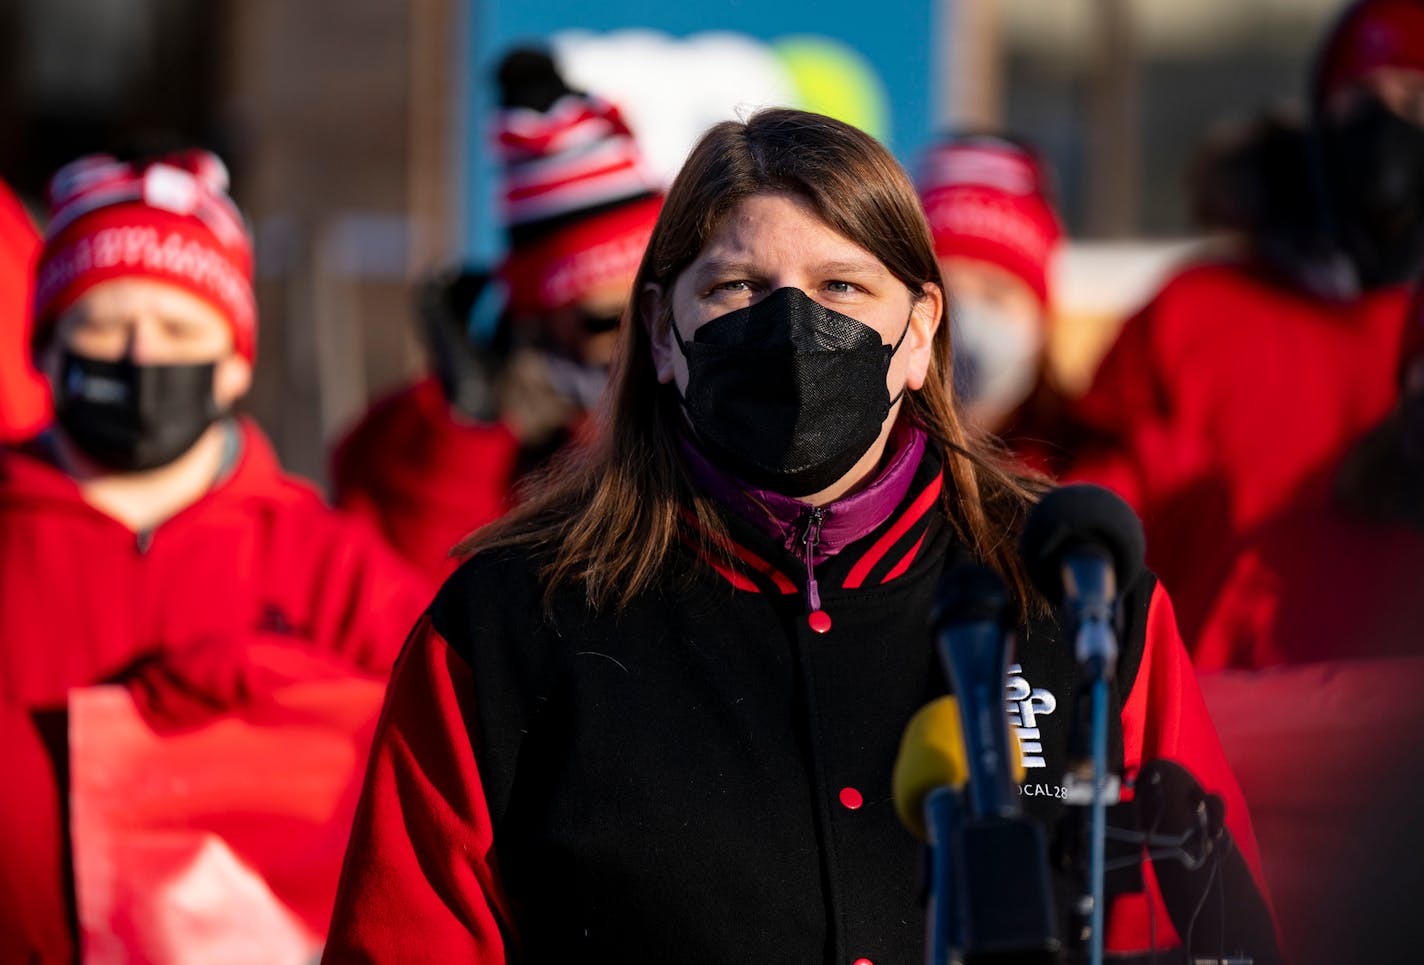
[987,198]
[579,201]
[167,218]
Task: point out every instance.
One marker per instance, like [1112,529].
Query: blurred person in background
[148,536]
[1246,374]
[1324,599]
[521,357]
[990,207]
[24,399]
[1337,574]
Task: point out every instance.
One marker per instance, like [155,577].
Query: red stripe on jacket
[782,581]
[913,515]
[899,568]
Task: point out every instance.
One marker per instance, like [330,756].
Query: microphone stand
[944,817]
[1096,649]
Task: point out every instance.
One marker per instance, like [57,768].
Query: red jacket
[24,397]
[1219,398]
[257,578]
[425,480]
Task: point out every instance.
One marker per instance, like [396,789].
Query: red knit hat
[1369,35]
[987,198]
[579,201]
[168,218]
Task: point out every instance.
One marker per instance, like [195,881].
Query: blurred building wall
[1120,93]
[345,128]
[345,112]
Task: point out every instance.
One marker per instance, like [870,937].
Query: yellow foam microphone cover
[932,755]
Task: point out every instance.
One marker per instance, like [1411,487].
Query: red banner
[222,844]
[1329,757]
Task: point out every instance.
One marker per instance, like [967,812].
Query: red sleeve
[423,478]
[1164,716]
[369,597]
[34,924]
[419,883]
[1236,632]
[354,602]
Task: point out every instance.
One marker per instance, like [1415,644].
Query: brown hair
[607,514]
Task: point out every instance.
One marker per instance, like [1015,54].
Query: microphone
[1081,545]
[992,899]
[1206,885]
[929,775]
[931,757]
[968,618]
[984,906]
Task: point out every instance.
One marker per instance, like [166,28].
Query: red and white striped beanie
[579,201]
[167,218]
[987,198]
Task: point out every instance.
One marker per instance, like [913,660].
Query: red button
[851,798]
[862,961]
[818,620]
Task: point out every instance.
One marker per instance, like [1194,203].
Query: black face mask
[131,417]
[786,393]
[1374,169]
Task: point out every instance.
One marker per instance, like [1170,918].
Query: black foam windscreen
[1081,516]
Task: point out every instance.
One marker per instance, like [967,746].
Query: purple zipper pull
[817,619]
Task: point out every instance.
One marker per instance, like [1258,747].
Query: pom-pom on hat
[579,202]
[167,218]
[988,198]
[1369,35]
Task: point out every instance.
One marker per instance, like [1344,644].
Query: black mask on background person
[1374,173]
[129,417]
[786,393]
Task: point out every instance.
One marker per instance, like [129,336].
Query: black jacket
[702,777]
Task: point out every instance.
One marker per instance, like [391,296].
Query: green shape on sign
[835,79]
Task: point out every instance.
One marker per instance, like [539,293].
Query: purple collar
[842,522]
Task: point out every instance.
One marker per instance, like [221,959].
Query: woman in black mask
[653,717]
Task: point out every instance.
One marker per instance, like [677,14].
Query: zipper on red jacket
[816,618]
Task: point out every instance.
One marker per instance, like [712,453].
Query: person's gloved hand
[186,687]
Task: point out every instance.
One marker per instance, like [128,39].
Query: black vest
[702,777]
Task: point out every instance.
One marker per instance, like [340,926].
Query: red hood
[409,447]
